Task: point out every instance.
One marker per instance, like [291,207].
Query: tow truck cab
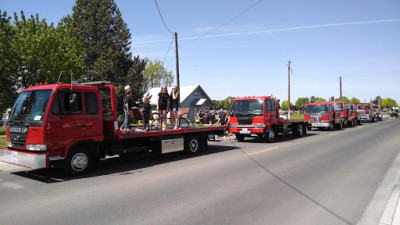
[365,111]
[340,106]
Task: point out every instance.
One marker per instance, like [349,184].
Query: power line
[162,19]
[228,21]
[169,48]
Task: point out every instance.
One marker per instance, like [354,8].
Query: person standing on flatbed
[174,105]
[163,106]
[127,106]
[146,113]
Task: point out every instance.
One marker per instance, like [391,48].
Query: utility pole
[289,89]
[341,99]
[177,66]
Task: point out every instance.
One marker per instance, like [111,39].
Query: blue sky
[358,40]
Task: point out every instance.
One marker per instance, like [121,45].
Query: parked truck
[365,111]
[341,107]
[259,116]
[76,125]
[377,112]
[354,116]
[323,115]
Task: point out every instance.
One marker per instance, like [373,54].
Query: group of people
[204,117]
[165,103]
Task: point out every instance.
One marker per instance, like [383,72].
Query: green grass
[2,137]
[297,116]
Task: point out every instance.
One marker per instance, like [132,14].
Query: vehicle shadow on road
[124,165]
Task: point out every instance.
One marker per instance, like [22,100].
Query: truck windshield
[30,106]
[312,109]
[363,107]
[248,107]
[339,106]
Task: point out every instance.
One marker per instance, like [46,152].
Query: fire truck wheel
[339,126]
[300,131]
[78,161]
[192,145]
[331,126]
[270,136]
[239,137]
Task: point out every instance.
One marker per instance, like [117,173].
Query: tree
[377,100]
[301,103]
[155,75]
[285,105]
[388,103]
[106,39]
[8,62]
[34,51]
[344,99]
[320,100]
[354,100]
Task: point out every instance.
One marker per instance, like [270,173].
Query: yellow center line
[262,151]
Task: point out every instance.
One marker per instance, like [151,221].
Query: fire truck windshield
[30,106]
[248,107]
[312,109]
[339,106]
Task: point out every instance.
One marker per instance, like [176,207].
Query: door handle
[80,125]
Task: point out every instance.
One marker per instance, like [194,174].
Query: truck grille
[18,140]
[245,120]
[315,117]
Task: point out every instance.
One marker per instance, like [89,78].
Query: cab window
[65,104]
[91,106]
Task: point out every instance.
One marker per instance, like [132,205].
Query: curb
[391,215]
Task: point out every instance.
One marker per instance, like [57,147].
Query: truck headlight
[258,125]
[37,147]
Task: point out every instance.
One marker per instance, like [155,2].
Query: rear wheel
[192,145]
[239,137]
[339,126]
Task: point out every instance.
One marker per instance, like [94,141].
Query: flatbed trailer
[76,125]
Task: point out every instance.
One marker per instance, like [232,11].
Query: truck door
[93,118]
[269,112]
[66,121]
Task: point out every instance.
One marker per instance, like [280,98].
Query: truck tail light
[37,147]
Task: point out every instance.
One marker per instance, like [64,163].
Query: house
[193,97]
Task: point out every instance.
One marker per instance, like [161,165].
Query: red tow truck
[76,125]
[260,116]
[323,115]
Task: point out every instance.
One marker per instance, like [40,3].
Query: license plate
[245,131]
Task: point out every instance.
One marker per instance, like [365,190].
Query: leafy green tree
[388,103]
[344,98]
[155,75]
[354,100]
[320,100]
[228,103]
[377,100]
[285,105]
[105,37]
[301,103]
[8,62]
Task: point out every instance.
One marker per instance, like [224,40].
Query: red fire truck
[323,115]
[365,112]
[76,125]
[260,116]
[354,117]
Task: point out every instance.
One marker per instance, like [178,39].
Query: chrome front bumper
[32,160]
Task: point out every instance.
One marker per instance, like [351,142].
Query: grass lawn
[297,116]
[2,137]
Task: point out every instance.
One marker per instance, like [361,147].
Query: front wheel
[78,161]
[270,136]
[239,137]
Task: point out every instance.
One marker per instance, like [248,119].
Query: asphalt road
[324,178]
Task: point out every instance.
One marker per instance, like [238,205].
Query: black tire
[339,126]
[271,135]
[239,137]
[193,145]
[305,130]
[358,122]
[309,128]
[78,162]
[330,128]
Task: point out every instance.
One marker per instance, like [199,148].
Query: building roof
[185,91]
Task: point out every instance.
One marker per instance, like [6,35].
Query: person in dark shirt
[174,104]
[127,106]
[163,106]
[146,113]
[221,117]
